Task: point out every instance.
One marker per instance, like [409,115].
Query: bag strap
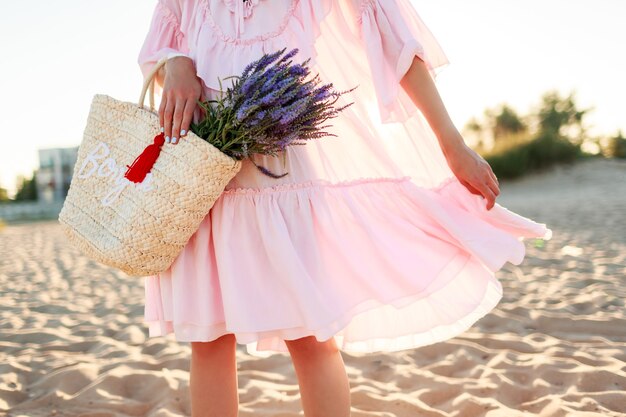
[149,81]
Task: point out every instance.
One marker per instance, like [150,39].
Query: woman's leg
[324,385]
[213,379]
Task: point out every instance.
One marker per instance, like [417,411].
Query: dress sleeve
[165,38]
[393,34]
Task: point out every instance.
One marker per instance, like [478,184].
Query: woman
[385,237]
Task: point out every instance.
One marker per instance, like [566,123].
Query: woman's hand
[473,171]
[469,167]
[181,89]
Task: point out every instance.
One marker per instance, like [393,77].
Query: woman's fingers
[471,189]
[187,116]
[494,177]
[494,182]
[162,113]
[489,195]
[483,189]
[167,119]
[494,187]
[490,185]
[178,117]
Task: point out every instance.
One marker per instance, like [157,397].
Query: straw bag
[139,222]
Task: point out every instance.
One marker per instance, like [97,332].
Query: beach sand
[72,341]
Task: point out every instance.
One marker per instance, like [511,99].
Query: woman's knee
[309,344]
[221,344]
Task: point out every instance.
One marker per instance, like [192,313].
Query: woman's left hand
[473,172]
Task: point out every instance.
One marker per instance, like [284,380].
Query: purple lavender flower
[250,83]
[289,54]
[268,59]
[298,70]
[248,68]
[269,107]
[323,92]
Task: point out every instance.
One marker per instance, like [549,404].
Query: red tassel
[140,167]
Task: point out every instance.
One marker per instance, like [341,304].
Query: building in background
[54,175]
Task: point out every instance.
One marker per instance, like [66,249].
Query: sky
[57,55]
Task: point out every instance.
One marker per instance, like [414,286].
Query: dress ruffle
[380,263]
[393,34]
[164,37]
[298,25]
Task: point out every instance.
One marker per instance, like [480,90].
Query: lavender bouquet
[270,106]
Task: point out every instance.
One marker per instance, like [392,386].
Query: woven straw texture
[139,228]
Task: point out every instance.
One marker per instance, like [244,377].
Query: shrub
[615,147]
[543,151]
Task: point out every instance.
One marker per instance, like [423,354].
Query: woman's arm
[421,88]
[469,167]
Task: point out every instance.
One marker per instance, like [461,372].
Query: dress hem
[266,343]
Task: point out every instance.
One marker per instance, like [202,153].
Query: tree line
[554,132]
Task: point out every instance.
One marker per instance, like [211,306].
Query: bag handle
[149,81]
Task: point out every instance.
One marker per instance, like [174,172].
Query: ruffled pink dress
[370,238]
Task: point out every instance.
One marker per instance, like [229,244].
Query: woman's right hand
[181,90]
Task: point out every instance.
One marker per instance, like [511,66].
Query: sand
[72,341]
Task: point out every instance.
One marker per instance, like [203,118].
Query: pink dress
[370,238]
